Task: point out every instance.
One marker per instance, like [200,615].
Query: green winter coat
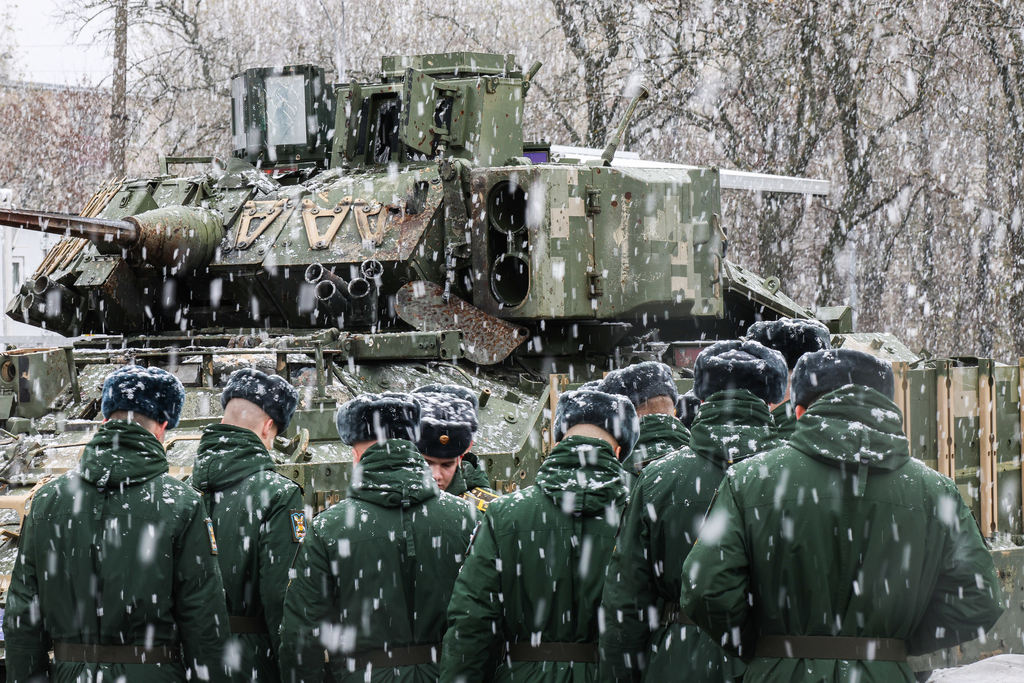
[116,552]
[661,522]
[659,435]
[537,569]
[251,507]
[375,571]
[785,419]
[841,533]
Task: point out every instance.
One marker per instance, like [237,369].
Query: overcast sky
[46,52]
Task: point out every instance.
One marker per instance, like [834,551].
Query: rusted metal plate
[488,340]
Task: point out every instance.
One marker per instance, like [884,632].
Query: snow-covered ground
[1001,669]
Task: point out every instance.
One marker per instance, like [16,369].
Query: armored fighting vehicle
[368,237]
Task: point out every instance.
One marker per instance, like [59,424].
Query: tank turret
[429,183]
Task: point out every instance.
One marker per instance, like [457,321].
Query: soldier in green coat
[834,557]
[792,337]
[117,569]
[532,583]
[645,635]
[375,572]
[448,424]
[257,514]
[651,389]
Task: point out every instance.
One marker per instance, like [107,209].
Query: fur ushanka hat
[792,337]
[273,394]
[447,425]
[152,392]
[641,382]
[378,417]
[817,374]
[686,408]
[612,413]
[741,365]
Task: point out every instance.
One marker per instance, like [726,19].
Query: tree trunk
[118,113]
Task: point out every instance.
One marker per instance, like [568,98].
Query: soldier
[792,338]
[116,571]
[686,409]
[651,389]
[448,425]
[533,580]
[835,556]
[375,572]
[257,514]
[644,631]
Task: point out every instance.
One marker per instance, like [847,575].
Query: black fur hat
[792,337]
[741,365]
[272,393]
[378,417]
[686,408]
[592,385]
[152,392]
[641,382]
[447,425]
[820,373]
[612,413]
[450,389]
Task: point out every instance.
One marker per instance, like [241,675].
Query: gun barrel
[125,233]
[182,238]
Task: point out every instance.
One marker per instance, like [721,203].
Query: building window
[15,276]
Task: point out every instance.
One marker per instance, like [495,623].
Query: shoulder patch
[213,538]
[298,525]
[479,498]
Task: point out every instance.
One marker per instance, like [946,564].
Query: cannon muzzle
[330,291]
[52,306]
[363,293]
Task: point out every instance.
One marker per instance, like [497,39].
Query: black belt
[674,615]
[248,625]
[399,656]
[115,654]
[832,647]
[553,652]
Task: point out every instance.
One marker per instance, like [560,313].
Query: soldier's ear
[268,426]
[160,430]
[800,410]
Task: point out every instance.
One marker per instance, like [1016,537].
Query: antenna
[609,152]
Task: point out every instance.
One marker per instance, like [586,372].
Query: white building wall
[21,252]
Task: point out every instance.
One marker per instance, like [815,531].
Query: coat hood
[393,474]
[785,419]
[227,455]
[582,475]
[474,472]
[732,425]
[660,434]
[854,425]
[122,452]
